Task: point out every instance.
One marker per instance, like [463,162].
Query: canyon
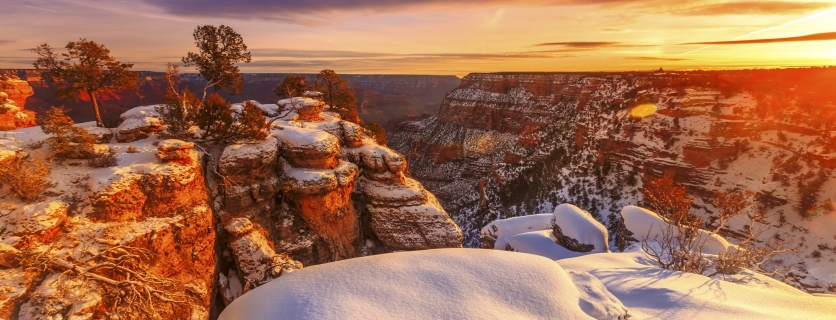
[385,99]
[514,144]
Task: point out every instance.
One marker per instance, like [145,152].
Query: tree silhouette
[292,86]
[86,68]
[220,48]
[337,94]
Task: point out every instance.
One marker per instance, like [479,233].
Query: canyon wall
[511,144]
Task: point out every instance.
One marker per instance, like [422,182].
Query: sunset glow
[435,37]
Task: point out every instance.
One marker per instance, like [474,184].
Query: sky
[440,36]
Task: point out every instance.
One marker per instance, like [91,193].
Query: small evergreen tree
[337,94]
[292,86]
[251,124]
[86,68]
[215,118]
[220,48]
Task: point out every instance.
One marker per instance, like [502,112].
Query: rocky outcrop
[137,123]
[151,218]
[318,190]
[13,95]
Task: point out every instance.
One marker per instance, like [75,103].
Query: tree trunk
[92,95]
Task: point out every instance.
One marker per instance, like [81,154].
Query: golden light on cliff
[643,110]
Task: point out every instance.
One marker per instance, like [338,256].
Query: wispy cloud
[579,44]
[810,37]
[754,8]
[5,42]
[654,59]
[309,12]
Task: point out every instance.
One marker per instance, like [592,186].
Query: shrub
[132,149]
[26,177]
[178,108]
[215,118]
[377,132]
[251,124]
[67,140]
[104,159]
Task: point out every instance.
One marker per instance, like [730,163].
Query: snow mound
[504,229]
[580,225]
[646,224]
[596,300]
[653,293]
[540,243]
[430,284]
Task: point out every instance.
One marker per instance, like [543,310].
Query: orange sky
[436,37]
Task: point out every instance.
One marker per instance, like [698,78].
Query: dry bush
[132,149]
[122,273]
[104,159]
[26,177]
[681,244]
[67,140]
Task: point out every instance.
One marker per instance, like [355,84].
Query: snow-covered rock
[646,224]
[59,296]
[577,230]
[431,284]
[138,122]
[539,243]
[173,149]
[40,217]
[308,147]
[254,255]
[496,234]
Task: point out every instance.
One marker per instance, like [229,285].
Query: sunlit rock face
[13,95]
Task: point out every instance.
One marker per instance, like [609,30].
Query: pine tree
[251,124]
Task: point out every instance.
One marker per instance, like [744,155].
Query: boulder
[254,255]
[173,150]
[577,230]
[138,122]
[425,226]
[308,148]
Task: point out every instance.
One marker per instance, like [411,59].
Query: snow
[540,243]
[580,225]
[429,284]
[649,292]
[141,112]
[507,228]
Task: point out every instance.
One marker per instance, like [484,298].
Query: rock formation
[318,190]
[13,94]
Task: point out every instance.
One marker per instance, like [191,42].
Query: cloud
[755,8]
[319,55]
[654,59]
[809,37]
[5,42]
[579,44]
[308,12]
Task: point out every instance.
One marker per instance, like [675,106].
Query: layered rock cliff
[13,95]
[505,145]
